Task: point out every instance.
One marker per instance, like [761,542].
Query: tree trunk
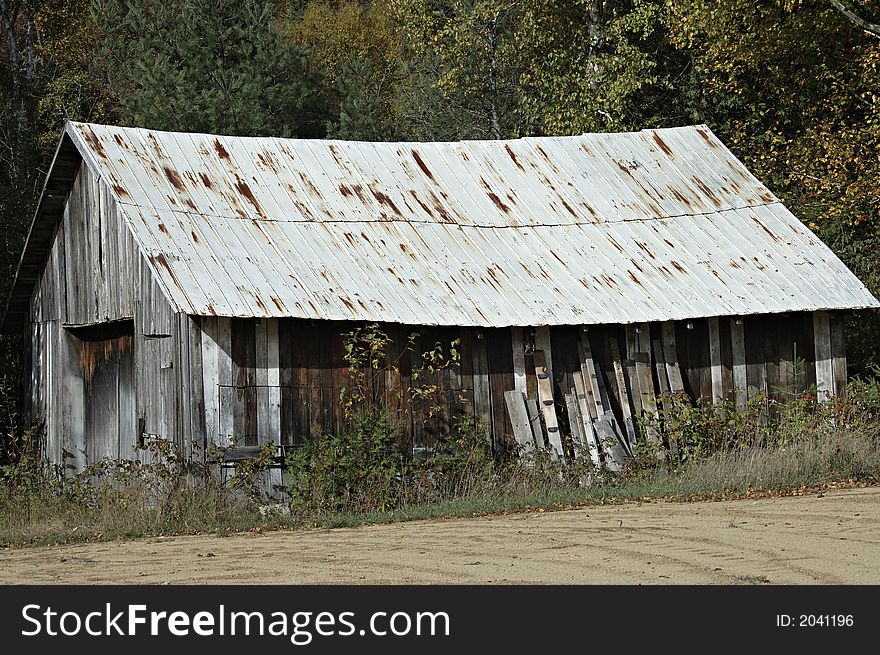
[870,28]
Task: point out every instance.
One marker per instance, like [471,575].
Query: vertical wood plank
[586,406]
[273,379]
[838,355]
[519,359]
[519,420]
[660,366]
[482,391]
[500,380]
[590,377]
[535,423]
[740,379]
[226,386]
[670,357]
[261,379]
[715,360]
[824,366]
[578,442]
[210,388]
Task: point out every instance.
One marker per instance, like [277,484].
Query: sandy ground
[828,539]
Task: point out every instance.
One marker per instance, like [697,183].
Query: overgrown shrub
[164,492]
[359,469]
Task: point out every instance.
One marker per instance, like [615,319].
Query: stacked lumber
[607,411]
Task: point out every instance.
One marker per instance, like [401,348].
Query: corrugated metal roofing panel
[598,228]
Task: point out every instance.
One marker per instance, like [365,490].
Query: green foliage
[360,469]
[215,66]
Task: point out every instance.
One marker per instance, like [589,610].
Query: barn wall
[281,379]
[95,276]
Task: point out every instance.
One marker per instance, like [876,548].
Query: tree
[871,28]
[218,66]
[358,44]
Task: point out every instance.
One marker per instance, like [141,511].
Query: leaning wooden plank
[535,423]
[623,393]
[548,406]
[542,343]
[740,380]
[584,405]
[611,441]
[838,356]
[519,419]
[591,380]
[670,356]
[715,360]
[648,396]
[824,368]
[632,347]
[577,442]
[519,359]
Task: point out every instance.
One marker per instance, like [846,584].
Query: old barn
[196,287]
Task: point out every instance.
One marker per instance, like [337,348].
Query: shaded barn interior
[766,357]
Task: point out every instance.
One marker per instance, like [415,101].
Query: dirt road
[829,539]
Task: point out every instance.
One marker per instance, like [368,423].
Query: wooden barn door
[107,356]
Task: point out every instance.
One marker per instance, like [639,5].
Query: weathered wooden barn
[196,287]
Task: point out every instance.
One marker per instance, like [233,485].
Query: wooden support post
[670,357]
[482,391]
[824,368]
[519,419]
[740,381]
[548,405]
[542,343]
[519,359]
[715,360]
[838,355]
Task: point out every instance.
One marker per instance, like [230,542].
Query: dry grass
[807,447]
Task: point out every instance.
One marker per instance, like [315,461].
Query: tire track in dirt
[828,539]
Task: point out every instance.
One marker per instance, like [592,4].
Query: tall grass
[361,476]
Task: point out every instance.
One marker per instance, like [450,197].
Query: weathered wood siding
[98,393]
[757,358]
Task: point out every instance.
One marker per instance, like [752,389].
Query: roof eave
[50,208]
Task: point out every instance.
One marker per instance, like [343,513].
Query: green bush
[359,469]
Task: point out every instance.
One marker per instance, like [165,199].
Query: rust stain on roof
[513,157]
[242,187]
[222,152]
[567,198]
[174,178]
[662,144]
[421,164]
[764,227]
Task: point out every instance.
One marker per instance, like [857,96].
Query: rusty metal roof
[599,228]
